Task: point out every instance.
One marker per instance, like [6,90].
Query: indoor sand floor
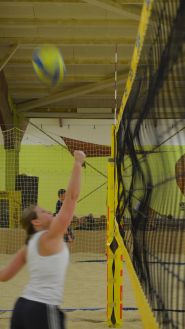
[84,297]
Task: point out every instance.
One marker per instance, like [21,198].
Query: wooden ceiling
[88,33]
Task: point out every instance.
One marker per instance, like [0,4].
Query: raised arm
[65,215]
[14,266]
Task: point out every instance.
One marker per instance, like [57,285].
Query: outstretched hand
[79,156]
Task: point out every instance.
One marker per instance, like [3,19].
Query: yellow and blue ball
[49,65]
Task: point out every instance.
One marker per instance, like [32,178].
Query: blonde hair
[28,215]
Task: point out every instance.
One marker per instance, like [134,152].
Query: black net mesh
[151,165]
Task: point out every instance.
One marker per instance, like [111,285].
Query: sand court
[84,296]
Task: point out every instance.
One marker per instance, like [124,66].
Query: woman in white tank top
[47,256]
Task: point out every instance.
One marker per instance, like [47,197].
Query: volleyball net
[150,160]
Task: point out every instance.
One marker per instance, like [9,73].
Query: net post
[114,251]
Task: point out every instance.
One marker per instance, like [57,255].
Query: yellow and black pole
[114,249]
[114,241]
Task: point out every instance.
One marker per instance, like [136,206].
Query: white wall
[99,131]
[94,131]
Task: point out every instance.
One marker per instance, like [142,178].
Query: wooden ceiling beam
[71,93]
[8,57]
[77,60]
[30,3]
[68,115]
[113,7]
[136,9]
[79,102]
[35,41]
[32,22]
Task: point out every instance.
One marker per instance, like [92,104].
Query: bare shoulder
[48,246]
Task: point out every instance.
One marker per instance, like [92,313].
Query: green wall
[53,164]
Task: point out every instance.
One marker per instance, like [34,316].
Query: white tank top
[47,274]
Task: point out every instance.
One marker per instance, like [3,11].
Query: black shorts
[29,314]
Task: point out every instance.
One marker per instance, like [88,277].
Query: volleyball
[49,65]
